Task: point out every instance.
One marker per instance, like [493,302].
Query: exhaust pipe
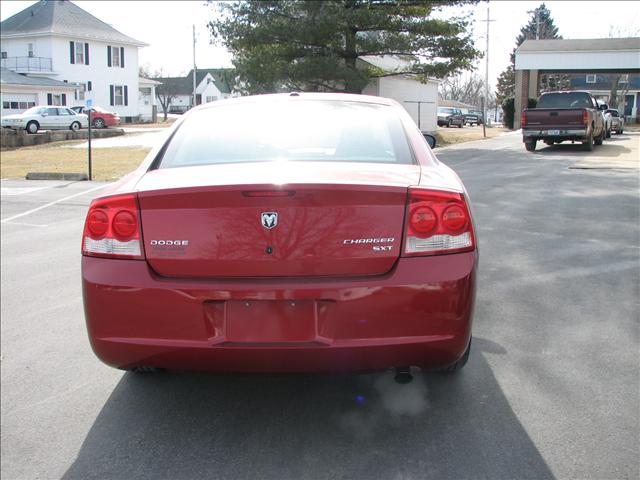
[403,375]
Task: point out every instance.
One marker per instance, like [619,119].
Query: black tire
[75,126]
[460,126]
[588,143]
[457,366]
[144,369]
[32,127]
[600,138]
[530,146]
[449,124]
[549,142]
[608,134]
[620,131]
[99,123]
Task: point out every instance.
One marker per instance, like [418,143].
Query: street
[551,389]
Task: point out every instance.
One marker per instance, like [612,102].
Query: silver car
[46,118]
[617,120]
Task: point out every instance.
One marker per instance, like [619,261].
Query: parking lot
[550,391]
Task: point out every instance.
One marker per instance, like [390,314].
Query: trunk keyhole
[268,250]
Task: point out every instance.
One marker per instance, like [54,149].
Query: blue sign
[88,103]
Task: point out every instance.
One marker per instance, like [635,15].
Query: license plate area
[554,132]
[269,321]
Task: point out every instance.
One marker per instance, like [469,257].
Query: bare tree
[464,88]
[167,91]
[618,88]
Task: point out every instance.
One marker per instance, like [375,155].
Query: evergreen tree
[316,45]
[541,26]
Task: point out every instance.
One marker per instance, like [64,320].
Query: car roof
[273,97]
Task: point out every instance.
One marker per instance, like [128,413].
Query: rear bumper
[418,314]
[555,134]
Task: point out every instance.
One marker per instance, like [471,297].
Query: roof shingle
[62,17]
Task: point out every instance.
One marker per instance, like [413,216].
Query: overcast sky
[167,27]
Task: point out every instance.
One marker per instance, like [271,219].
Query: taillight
[113,228]
[437,222]
[585,117]
[523,119]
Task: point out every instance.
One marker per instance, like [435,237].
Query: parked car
[447,117]
[100,118]
[473,117]
[46,118]
[617,120]
[562,116]
[321,235]
[603,107]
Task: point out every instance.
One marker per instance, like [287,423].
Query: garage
[18,102]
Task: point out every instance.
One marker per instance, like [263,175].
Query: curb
[77,177]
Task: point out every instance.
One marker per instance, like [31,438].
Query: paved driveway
[551,388]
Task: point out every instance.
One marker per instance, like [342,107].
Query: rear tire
[449,124]
[460,125]
[588,143]
[530,146]
[32,127]
[620,131]
[457,366]
[608,134]
[598,140]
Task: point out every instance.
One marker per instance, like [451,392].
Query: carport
[576,65]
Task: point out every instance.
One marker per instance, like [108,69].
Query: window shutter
[72,57]
[64,99]
[86,54]
[111,95]
[75,94]
[89,85]
[122,57]
[126,96]
[109,59]
[49,99]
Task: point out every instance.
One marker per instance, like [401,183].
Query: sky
[167,27]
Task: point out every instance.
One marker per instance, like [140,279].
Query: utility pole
[194,65]
[485,103]
[537,12]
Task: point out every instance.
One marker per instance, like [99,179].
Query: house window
[591,78]
[14,105]
[4,54]
[115,57]
[118,95]
[80,53]
[211,99]
[30,49]
[81,90]
[5,105]
[624,78]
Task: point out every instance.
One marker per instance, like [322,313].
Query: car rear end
[279,248]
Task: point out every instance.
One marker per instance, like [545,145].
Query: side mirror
[603,106]
[431,140]
[44,114]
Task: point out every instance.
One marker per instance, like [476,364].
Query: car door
[50,120]
[66,117]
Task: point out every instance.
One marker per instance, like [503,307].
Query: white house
[419,99]
[211,84]
[56,39]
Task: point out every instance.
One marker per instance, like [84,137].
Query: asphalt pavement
[551,389]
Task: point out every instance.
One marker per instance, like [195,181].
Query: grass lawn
[107,163]
[450,136]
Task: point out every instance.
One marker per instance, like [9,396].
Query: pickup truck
[561,116]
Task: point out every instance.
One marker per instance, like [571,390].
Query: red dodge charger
[283,233]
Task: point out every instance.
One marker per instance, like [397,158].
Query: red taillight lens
[423,219]
[112,228]
[585,117]
[523,119]
[124,224]
[454,218]
[438,222]
[97,222]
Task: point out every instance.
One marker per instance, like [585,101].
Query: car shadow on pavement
[184,426]
[607,149]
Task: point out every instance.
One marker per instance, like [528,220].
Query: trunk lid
[333,219]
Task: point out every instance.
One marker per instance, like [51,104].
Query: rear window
[446,110]
[298,130]
[565,100]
